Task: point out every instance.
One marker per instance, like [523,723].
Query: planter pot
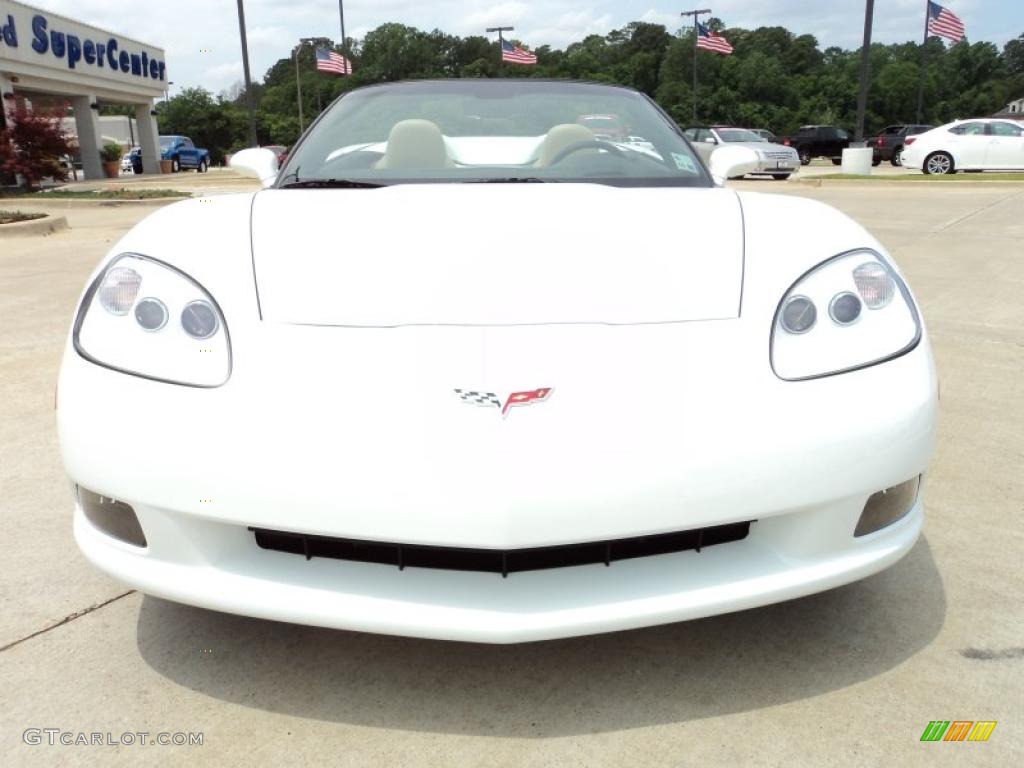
[166,166]
[112,169]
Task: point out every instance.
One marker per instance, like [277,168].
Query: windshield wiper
[331,183]
[510,180]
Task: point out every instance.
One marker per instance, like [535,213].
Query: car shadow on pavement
[669,674]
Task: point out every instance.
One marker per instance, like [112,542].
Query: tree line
[775,79]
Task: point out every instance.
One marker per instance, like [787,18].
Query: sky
[201,38]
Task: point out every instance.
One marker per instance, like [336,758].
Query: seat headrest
[560,137]
[415,145]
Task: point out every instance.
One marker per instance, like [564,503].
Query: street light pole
[501,43]
[865,72]
[248,79]
[695,14]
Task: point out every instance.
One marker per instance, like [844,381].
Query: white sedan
[967,145]
[495,379]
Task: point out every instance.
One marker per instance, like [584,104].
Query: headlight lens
[798,314]
[874,284]
[871,318]
[151,314]
[116,329]
[199,319]
[118,290]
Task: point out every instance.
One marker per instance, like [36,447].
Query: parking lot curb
[45,226]
[869,182]
[76,202]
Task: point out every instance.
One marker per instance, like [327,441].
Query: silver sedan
[775,160]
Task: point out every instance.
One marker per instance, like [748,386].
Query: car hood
[497,254]
[764,146]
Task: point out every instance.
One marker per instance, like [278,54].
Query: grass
[11,217]
[122,193]
[923,177]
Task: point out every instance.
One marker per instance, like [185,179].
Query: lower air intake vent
[497,560]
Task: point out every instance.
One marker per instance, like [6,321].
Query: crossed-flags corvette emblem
[490,399]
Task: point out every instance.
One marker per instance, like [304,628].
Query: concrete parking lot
[847,677]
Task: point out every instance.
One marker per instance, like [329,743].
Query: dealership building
[49,58]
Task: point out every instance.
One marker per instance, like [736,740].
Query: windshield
[738,134]
[494,130]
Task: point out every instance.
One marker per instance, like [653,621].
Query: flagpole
[695,14]
[298,80]
[501,44]
[341,14]
[298,85]
[695,38]
[924,54]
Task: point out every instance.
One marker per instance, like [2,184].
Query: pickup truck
[183,154]
[888,145]
[813,141]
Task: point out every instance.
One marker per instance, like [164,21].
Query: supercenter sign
[35,37]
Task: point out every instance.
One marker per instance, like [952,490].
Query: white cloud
[503,14]
[568,28]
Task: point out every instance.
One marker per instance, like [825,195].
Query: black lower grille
[497,560]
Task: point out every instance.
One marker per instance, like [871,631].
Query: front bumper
[370,458]
[218,566]
[774,165]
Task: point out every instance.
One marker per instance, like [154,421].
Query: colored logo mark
[958,730]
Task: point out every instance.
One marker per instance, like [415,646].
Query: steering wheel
[589,144]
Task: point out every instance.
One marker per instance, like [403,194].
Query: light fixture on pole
[696,35]
[248,79]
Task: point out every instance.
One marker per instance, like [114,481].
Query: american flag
[709,41]
[335,63]
[944,23]
[513,54]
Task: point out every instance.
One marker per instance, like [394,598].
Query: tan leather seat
[415,145]
[559,138]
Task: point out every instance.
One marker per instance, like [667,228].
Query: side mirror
[727,162]
[256,163]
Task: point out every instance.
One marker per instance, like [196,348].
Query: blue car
[183,154]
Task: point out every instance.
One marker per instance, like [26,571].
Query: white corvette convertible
[465,369]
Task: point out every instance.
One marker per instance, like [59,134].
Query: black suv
[888,144]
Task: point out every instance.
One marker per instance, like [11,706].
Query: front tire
[201,168]
[780,176]
[939,163]
[175,165]
[805,158]
[876,162]
[897,157]
[837,161]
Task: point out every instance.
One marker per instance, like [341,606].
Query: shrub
[110,152]
[33,143]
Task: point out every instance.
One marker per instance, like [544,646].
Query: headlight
[849,312]
[144,317]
